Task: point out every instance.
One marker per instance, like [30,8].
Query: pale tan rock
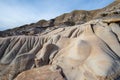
[116,29]
[112,20]
[43,73]
[88,57]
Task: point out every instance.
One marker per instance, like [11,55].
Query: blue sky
[15,13]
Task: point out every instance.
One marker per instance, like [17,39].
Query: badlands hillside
[81,45]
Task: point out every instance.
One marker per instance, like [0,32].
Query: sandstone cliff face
[89,50]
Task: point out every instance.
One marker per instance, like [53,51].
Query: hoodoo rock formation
[87,51]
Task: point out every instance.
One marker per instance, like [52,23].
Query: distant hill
[68,19]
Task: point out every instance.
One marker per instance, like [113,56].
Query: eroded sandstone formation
[90,51]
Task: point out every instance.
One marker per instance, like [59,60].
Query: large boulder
[43,73]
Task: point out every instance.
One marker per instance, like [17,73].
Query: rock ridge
[75,17]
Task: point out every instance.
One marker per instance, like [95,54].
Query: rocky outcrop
[90,51]
[75,17]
